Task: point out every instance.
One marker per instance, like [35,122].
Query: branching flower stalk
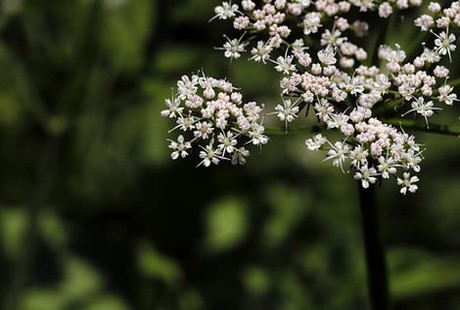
[315,47]
[369,97]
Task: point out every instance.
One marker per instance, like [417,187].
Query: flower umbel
[314,46]
[213,118]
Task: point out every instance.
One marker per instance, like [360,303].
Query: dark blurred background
[95,215]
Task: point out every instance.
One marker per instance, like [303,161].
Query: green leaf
[80,279]
[155,265]
[227,224]
[423,275]
[13,224]
[107,302]
[124,33]
[42,299]
[52,229]
[256,280]
[288,206]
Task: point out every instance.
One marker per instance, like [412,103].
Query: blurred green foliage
[95,215]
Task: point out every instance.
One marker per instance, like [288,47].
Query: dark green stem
[374,254]
[278,131]
[410,124]
[455,82]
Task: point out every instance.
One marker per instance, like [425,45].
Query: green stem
[445,130]
[374,254]
[278,131]
[455,82]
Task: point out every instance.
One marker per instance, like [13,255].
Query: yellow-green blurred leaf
[13,224]
[10,110]
[42,299]
[191,300]
[80,279]
[256,280]
[288,207]
[155,265]
[125,31]
[107,302]
[52,229]
[227,224]
[423,276]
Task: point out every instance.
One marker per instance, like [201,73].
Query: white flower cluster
[311,44]
[211,114]
[374,150]
[440,19]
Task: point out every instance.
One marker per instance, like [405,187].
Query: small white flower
[311,22]
[385,10]
[180,147]
[316,143]
[239,157]
[284,64]
[261,52]
[331,39]
[241,22]
[338,153]
[209,156]
[426,109]
[359,155]
[257,136]
[327,57]
[203,130]
[233,48]
[446,95]
[353,85]
[186,87]
[445,43]
[224,11]
[424,22]
[248,5]
[434,7]
[324,110]
[408,183]
[194,101]
[173,107]
[185,123]
[227,142]
[287,112]
[431,56]
[411,159]
[366,175]
[386,166]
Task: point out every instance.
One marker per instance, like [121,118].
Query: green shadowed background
[95,215]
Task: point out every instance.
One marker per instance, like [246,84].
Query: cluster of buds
[314,46]
[212,117]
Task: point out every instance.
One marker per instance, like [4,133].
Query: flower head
[212,116]
[324,66]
